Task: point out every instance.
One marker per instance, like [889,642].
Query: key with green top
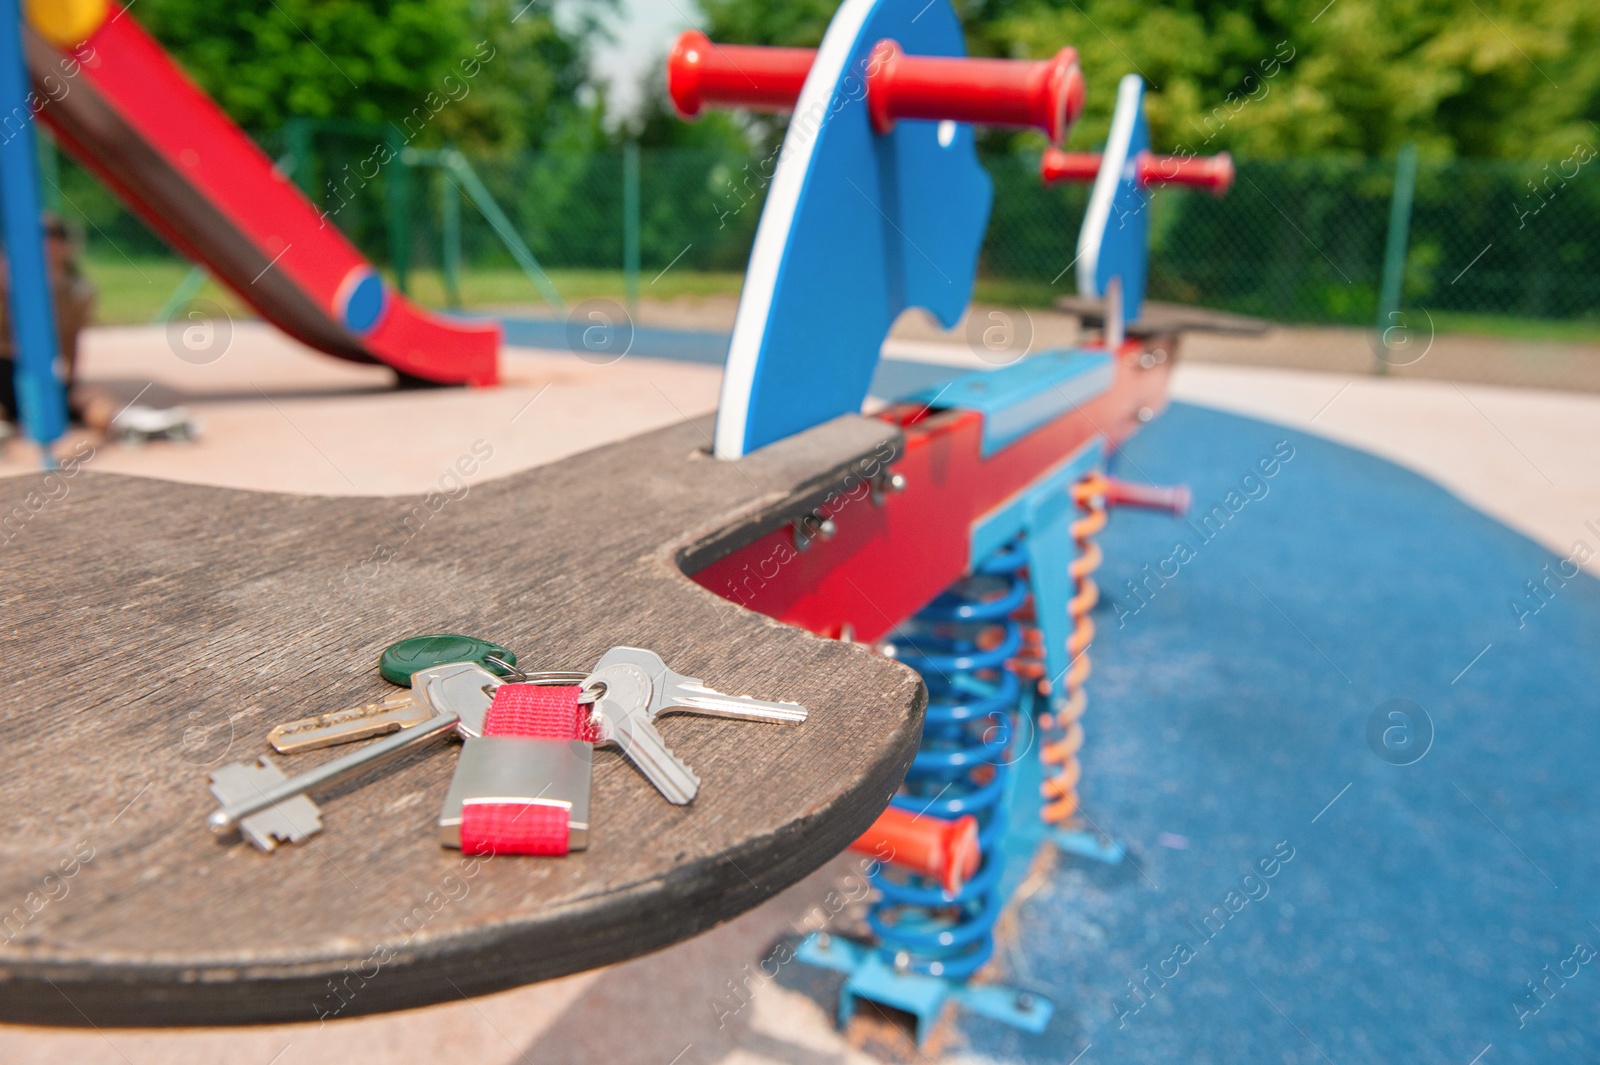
[400,710]
[400,660]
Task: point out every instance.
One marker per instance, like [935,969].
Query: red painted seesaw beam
[892,552]
[1044,94]
[1214,172]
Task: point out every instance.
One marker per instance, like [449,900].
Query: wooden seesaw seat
[157,630]
[1159,319]
[154,631]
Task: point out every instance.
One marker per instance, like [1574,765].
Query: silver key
[464,688]
[459,695]
[289,821]
[673,691]
[622,713]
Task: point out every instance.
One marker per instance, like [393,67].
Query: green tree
[533,90]
[656,124]
[377,61]
[797,24]
[1509,78]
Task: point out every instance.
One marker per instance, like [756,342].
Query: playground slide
[120,105]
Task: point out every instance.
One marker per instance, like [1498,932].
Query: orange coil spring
[1029,662]
[1065,728]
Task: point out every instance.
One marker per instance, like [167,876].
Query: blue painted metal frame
[1115,239]
[872,976]
[857,227]
[1013,401]
[1044,515]
[41,401]
[1019,398]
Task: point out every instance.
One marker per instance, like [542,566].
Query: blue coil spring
[960,643]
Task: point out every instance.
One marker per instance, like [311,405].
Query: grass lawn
[1575,331]
[132,291]
[481,288]
[135,291]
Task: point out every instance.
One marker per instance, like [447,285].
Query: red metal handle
[701,74]
[946,851]
[1046,94]
[1058,166]
[1214,172]
[1176,498]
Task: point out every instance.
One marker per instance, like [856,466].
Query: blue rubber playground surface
[1350,748]
[1414,912]
[1310,878]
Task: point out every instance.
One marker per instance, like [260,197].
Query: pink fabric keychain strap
[526,711]
[513,828]
[539,711]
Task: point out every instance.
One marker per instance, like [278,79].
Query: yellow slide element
[65,23]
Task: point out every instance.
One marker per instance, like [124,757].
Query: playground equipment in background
[866,214]
[170,153]
[1113,260]
[457,178]
[949,854]
[974,564]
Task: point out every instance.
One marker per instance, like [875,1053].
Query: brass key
[268,806]
[390,714]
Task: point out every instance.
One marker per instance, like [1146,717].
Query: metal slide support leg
[450,255]
[630,225]
[40,398]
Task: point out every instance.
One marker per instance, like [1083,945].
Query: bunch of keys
[455,682]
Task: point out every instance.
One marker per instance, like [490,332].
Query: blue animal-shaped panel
[857,227]
[1115,239]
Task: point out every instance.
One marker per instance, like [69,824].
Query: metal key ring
[517,675]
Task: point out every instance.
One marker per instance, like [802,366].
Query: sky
[643,34]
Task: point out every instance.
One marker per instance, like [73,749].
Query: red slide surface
[123,108]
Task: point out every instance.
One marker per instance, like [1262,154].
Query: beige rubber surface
[276,416]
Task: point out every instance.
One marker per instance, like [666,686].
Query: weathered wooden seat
[153,631]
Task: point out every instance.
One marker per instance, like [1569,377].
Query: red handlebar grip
[1214,172]
[946,851]
[1175,499]
[701,74]
[1058,166]
[1046,95]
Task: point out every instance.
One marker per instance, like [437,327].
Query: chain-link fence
[1304,241]
[1298,241]
[570,210]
